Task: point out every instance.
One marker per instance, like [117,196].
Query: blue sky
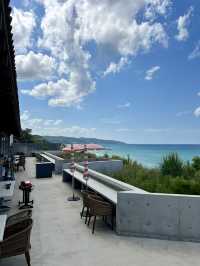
[108,70]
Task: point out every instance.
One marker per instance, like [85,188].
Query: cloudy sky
[114,69]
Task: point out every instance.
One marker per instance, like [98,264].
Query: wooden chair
[19,216]
[16,162]
[21,162]
[85,195]
[17,240]
[99,208]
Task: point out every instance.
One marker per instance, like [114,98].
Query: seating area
[96,206]
[60,237]
[15,229]
[16,240]
[19,162]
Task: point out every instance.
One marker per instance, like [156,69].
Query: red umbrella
[96,147]
[76,148]
[82,147]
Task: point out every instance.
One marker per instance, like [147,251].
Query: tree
[196,163]
[26,136]
[172,165]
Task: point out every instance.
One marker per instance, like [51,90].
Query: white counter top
[3,218]
[97,186]
[6,193]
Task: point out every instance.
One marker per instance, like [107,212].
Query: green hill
[68,140]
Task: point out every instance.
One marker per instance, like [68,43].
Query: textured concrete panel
[190,217]
[109,166]
[159,215]
[58,162]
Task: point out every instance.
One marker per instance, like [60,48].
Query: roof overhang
[9,103]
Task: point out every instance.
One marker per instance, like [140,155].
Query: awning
[82,147]
[9,104]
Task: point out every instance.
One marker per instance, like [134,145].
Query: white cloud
[30,121]
[113,23]
[51,122]
[23,23]
[197,112]
[25,115]
[48,122]
[125,105]
[77,131]
[59,37]
[66,28]
[53,127]
[57,122]
[195,53]
[182,24]
[116,67]
[151,72]
[157,7]
[35,66]
[35,123]
[64,92]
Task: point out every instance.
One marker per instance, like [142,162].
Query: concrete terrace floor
[60,238]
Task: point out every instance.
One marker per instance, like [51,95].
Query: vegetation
[80,156]
[39,141]
[172,165]
[172,176]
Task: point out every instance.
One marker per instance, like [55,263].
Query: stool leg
[94,222]
[82,212]
[112,221]
[89,220]
[86,216]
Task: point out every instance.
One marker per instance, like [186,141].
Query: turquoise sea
[151,155]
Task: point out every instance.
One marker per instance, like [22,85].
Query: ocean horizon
[151,155]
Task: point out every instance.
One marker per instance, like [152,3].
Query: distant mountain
[69,140]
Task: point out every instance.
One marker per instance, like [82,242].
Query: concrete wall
[26,148]
[153,215]
[109,166]
[54,152]
[165,216]
[110,181]
[113,183]
[58,162]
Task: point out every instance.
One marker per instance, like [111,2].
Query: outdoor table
[16,161]
[6,193]
[3,218]
[104,190]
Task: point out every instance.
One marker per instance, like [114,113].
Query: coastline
[150,155]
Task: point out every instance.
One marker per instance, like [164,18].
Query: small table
[3,218]
[6,193]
